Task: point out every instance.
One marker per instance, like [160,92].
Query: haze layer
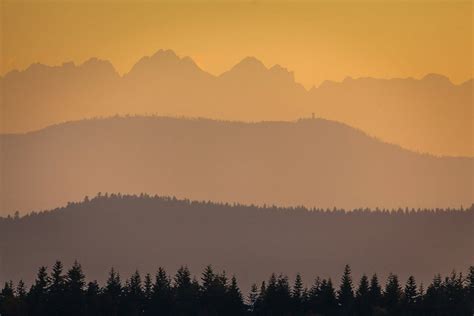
[428,115]
[311,162]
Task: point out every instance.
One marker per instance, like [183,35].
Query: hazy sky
[318,40]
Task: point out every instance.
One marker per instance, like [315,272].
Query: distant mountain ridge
[428,115]
[311,162]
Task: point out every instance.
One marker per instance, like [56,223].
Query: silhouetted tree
[112,294]
[410,297]
[454,294]
[345,295]
[375,292]
[38,296]
[162,294]
[434,298]
[470,288]
[186,293]
[93,299]
[21,298]
[297,295]
[362,298]
[134,296]
[392,295]
[235,303]
[8,304]
[56,290]
[74,290]
[253,298]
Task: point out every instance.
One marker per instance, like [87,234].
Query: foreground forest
[68,293]
[135,232]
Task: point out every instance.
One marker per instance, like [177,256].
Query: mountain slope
[309,162]
[429,115]
[130,232]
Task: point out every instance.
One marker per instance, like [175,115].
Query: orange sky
[318,40]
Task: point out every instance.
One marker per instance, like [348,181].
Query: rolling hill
[311,162]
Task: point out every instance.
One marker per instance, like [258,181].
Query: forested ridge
[137,231]
[59,292]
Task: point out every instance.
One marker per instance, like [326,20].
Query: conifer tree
[7,300]
[362,299]
[162,296]
[74,290]
[410,297]
[328,298]
[470,287]
[56,290]
[375,291]
[253,298]
[38,295]
[392,294]
[134,295]
[434,298]
[235,304]
[21,290]
[93,299]
[346,294]
[112,294]
[147,287]
[186,292]
[454,293]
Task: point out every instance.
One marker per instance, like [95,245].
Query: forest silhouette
[310,162]
[68,293]
[428,115]
[135,232]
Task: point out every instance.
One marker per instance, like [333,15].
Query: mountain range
[429,115]
[310,162]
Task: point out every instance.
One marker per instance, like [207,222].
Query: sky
[318,40]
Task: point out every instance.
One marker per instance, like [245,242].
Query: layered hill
[311,162]
[140,232]
[428,115]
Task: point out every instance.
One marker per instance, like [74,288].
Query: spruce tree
[454,294]
[314,296]
[8,304]
[346,294]
[362,299]
[93,302]
[253,298]
[410,297]
[74,290]
[134,295]
[162,296]
[375,292]
[56,290]
[187,292]
[392,295]
[38,295]
[234,303]
[328,298]
[470,287]
[112,294]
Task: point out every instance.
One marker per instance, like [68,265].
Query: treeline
[67,293]
[157,201]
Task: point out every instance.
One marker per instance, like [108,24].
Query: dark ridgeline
[68,293]
[136,232]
